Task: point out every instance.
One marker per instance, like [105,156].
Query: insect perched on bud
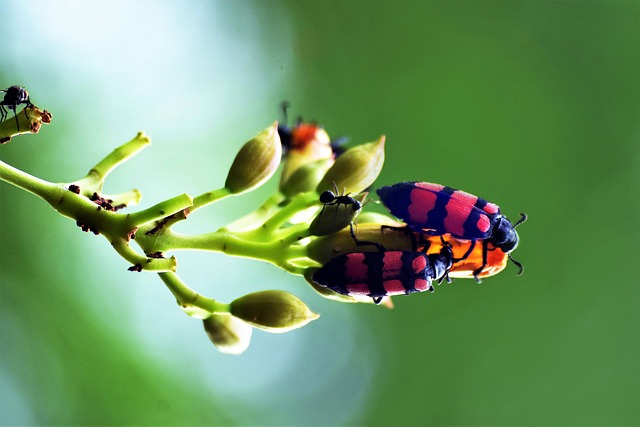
[339,211]
[14,96]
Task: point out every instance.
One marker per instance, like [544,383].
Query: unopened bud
[305,178]
[272,311]
[228,334]
[356,169]
[256,161]
[377,218]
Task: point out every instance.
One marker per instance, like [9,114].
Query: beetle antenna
[523,218]
[519,265]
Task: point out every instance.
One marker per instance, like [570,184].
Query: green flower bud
[256,161]
[377,218]
[272,311]
[305,178]
[228,334]
[356,169]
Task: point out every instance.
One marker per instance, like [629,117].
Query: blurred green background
[532,105]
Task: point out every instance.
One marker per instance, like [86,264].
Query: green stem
[275,252]
[188,297]
[297,204]
[25,181]
[149,264]
[128,198]
[160,210]
[96,176]
[210,197]
[293,234]
[257,217]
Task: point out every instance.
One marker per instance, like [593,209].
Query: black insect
[13,97]
[329,198]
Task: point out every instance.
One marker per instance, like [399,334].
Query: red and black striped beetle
[384,273]
[435,209]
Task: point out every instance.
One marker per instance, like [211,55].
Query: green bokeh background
[532,105]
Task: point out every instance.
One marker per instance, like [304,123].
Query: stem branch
[188,297]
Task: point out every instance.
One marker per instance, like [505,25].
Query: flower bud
[272,311]
[356,169]
[305,178]
[378,218]
[228,334]
[256,161]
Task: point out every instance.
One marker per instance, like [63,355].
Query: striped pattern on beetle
[385,273]
[435,210]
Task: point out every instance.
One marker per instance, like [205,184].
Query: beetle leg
[466,254]
[364,242]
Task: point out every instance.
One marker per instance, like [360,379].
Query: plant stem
[30,183]
[149,264]
[276,252]
[96,176]
[160,210]
[257,217]
[299,203]
[210,197]
[188,297]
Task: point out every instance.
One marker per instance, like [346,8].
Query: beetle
[384,273]
[435,209]
[303,135]
[13,97]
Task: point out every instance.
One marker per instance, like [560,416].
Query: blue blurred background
[532,105]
